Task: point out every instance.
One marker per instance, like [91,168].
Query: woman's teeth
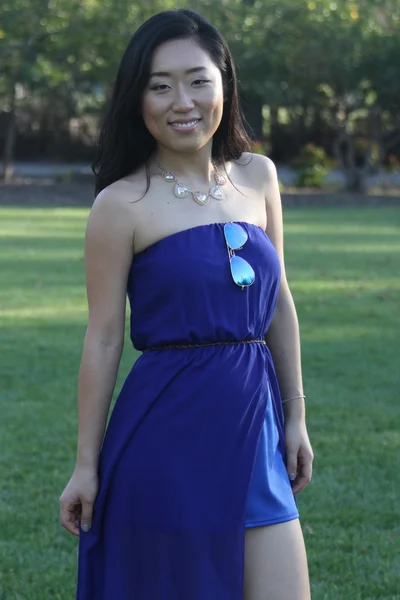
[185,125]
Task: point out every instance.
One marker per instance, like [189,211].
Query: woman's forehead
[180,56]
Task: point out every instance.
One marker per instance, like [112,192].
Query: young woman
[190,495]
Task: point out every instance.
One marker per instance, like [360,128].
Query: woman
[191,496]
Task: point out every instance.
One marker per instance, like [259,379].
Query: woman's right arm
[108,257]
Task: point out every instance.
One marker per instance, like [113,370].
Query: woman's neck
[186,165]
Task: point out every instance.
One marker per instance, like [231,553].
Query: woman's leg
[275,563]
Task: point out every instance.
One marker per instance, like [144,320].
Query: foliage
[258,147]
[331,64]
[312,165]
[393,163]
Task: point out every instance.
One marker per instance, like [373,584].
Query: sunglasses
[235,238]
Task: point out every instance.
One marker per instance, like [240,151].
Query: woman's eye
[201,81]
[160,88]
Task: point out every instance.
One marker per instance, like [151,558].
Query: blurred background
[320,81]
[320,88]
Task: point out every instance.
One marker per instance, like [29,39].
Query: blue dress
[194,450]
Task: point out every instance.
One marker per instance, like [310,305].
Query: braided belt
[177,346]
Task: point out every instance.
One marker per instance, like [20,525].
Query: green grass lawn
[343,267]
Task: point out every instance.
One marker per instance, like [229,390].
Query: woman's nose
[183,100]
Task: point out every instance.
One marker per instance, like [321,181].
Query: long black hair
[125,144]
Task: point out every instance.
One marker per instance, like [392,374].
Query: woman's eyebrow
[167,74]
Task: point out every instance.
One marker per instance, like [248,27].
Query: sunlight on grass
[308,286]
[31,255]
[351,230]
[51,233]
[365,248]
[60,312]
[340,333]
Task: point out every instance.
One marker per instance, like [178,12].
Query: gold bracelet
[293,398]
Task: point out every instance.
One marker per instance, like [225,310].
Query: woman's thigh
[276,563]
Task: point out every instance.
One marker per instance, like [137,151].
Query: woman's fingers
[77,500]
[291,464]
[86,516]
[69,517]
[304,472]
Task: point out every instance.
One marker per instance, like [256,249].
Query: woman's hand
[299,454]
[77,500]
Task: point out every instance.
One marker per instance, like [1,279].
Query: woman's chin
[186,144]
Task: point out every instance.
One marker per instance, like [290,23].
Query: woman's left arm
[283,339]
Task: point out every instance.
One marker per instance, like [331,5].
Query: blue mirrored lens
[235,235]
[242,272]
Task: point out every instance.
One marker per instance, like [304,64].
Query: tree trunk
[252,109]
[356,181]
[344,150]
[9,142]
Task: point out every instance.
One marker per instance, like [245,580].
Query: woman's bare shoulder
[125,190]
[254,162]
[258,168]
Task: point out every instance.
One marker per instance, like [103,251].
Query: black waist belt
[177,346]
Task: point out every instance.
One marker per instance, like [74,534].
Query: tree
[327,65]
[63,51]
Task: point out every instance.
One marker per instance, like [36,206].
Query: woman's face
[183,101]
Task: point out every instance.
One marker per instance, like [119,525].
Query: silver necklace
[183,191]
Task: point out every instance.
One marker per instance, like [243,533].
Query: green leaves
[285,49]
[337,58]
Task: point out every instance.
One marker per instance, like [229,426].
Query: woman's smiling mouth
[184,125]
